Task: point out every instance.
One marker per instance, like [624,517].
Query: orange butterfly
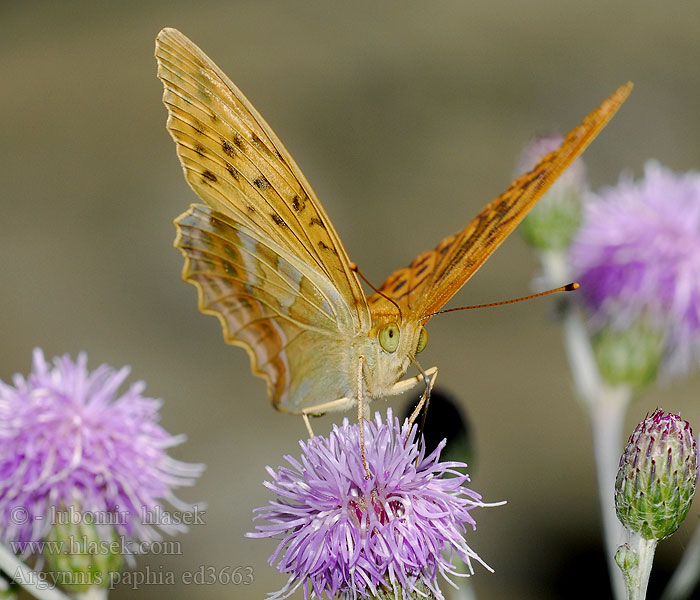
[267,261]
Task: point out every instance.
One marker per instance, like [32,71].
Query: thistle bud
[79,557]
[552,223]
[657,477]
[629,356]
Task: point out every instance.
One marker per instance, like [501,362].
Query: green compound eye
[422,340]
[389,337]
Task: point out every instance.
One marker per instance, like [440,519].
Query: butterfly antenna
[564,288]
[354,267]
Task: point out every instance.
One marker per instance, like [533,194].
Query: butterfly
[268,263]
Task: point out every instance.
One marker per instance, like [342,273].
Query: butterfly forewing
[436,275]
[263,254]
[238,166]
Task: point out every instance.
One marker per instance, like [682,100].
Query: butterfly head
[392,347]
[406,338]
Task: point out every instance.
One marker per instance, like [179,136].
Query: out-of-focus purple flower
[637,257]
[70,442]
[343,535]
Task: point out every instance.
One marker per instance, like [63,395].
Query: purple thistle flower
[68,441]
[637,257]
[342,534]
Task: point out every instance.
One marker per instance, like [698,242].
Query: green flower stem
[637,577]
[15,569]
[606,407]
[607,414]
[686,575]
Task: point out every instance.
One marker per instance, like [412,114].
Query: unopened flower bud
[629,356]
[552,223]
[658,473]
[80,558]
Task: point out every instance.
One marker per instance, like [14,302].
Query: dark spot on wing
[316,221]
[399,285]
[298,204]
[227,147]
[250,208]
[323,246]
[229,269]
[231,251]
[444,249]
[199,149]
[420,271]
[197,126]
[209,176]
[238,141]
[261,183]
[232,171]
[421,260]
[278,220]
[256,140]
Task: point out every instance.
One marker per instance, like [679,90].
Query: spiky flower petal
[71,444]
[343,535]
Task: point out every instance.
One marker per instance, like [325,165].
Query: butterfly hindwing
[436,275]
[271,304]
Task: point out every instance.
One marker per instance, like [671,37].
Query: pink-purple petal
[346,535]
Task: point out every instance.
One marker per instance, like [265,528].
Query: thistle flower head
[70,441]
[637,257]
[657,477]
[343,535]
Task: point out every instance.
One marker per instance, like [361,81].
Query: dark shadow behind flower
[72,448]
[341,535]
[446,420]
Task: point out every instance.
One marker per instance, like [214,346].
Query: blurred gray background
[406,118]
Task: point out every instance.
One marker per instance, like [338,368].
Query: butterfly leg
[425,398]
[362,413]
[411,382]
[341,404]
[344,404]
